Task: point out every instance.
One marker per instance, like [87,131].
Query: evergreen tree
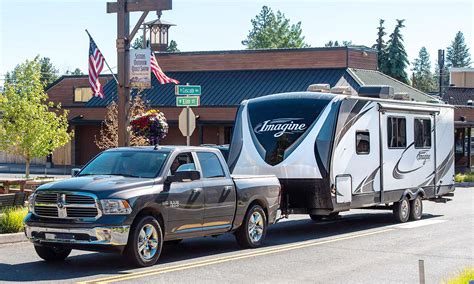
[381,47]
[137,44]
[270,30]
[397,57]
[336,43]
[49,73]
[422,78]
[172,47]
[458,52]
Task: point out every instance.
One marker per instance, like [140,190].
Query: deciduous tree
[30,127]
[270,30]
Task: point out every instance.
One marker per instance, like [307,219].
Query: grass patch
[463,277]
[468,177]
[11,220]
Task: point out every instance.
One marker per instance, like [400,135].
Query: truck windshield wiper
[124,175]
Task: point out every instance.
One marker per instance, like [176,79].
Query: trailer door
[407,152]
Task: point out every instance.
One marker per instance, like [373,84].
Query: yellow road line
[140,274]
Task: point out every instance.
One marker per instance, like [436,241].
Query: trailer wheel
[145,242]
[52,253]
[416,208]
[401,210]
[316,218]
[254,228]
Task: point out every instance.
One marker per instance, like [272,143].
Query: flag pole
[105,61]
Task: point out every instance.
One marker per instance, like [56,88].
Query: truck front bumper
[111,236]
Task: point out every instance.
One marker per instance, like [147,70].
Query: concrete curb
[12,238]
[465,184]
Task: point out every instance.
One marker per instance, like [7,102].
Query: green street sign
[187,90]
[192,101]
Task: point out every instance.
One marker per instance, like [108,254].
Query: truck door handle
[227,188]
[197,189]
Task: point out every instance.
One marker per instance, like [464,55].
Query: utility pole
[441,71]
[124,37]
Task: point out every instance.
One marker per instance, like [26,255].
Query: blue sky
[56,28]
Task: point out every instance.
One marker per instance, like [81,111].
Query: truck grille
[66,205]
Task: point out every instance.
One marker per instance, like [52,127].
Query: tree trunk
[27,168]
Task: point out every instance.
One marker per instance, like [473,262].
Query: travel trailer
[334,152]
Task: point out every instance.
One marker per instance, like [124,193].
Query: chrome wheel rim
[404,208]
[255,228]
[418,207]
[147,242]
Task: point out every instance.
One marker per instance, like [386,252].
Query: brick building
[227,78]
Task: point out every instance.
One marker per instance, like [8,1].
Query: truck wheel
[401,210]
[52,253]
[416,208]
[145,242]
[174,242]
[254,228]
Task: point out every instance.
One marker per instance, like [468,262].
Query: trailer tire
[316,218]
[145,242]
[253,229]
[401,210]
[48,253]
[416,208]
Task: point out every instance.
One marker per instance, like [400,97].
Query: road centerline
[218,260]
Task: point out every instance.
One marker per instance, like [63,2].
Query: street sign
[191,101]
[187,90]
[186,128]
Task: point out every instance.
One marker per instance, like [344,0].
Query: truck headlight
[115,207]
[31,202]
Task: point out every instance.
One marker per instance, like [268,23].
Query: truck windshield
[139,164]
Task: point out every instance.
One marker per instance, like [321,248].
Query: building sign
[140,73]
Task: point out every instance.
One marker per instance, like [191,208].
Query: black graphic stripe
[399,174]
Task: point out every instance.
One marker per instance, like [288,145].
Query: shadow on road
[286,232]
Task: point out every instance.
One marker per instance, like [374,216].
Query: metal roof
[372,77]
[229,88]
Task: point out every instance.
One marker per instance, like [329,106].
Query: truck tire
[253,229]
[416,208]
[331,216]
[173,242]
[401,210]
[145,242]
[316,218]
[52,253]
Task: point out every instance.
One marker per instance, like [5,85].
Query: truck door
[185,203]
[219,194]
[408,152]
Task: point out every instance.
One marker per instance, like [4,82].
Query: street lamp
[158,33]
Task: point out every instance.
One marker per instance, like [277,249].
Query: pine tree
[381,47]
[270,30]
[422,78]
[458,52]
[397,57]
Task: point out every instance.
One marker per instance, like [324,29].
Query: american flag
[155,68]
[96,63]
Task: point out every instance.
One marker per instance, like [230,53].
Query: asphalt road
[363,246]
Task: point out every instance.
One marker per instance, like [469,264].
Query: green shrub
[468,177]
[463,277]
[11,220]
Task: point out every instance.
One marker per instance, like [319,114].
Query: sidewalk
[19,169]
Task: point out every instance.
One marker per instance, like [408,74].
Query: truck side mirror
[184,176]
[75,171]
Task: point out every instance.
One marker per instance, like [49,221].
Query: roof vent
[323,88]
[378,92]
[401,96]
[469,102]
[342,90]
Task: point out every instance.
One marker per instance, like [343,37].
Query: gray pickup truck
[134,200]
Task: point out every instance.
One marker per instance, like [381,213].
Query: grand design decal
[281,126]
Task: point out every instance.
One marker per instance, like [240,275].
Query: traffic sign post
[187,90]
[187,101]
[187,123]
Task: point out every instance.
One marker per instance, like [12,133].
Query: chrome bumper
[115,236]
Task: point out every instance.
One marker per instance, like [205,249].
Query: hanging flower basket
[152,125]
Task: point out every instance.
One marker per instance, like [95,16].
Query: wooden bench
[12,200]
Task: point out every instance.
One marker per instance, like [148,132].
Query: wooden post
[123,91]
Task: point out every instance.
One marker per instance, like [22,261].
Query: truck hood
[101,185]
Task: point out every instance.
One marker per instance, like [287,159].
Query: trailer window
[422,133]
[362,142]
[397,134]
